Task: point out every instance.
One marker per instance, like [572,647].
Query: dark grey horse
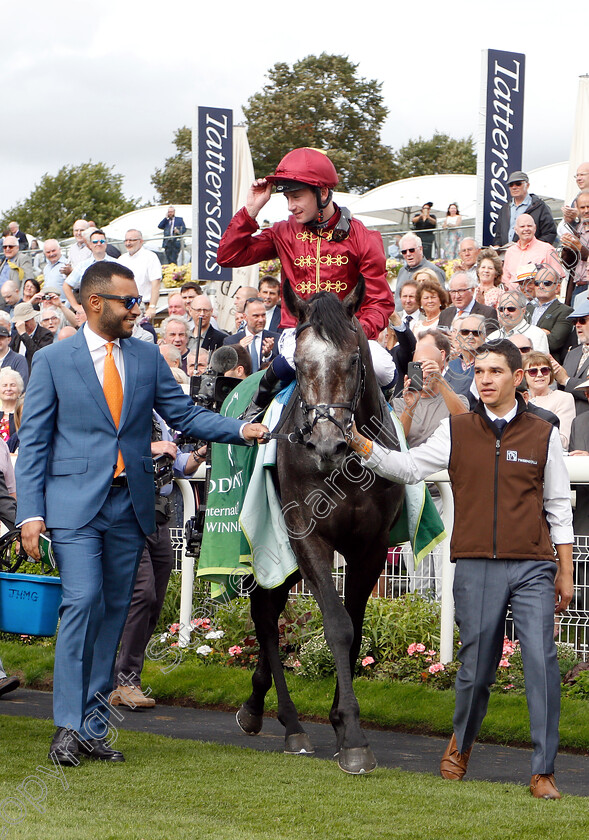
[331,502]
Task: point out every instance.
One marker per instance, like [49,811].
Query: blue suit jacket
[236,337]
[69,442]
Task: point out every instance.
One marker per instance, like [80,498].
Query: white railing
[573,627]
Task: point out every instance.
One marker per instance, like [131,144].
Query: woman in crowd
[425,275]
[31,287]
[489,271]
[431,299]
[451,236]
[539,377]
[11,387]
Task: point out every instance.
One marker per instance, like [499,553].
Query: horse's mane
[328,317]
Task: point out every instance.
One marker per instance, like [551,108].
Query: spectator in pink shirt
[527,249]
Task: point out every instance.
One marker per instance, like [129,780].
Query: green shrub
[393,625]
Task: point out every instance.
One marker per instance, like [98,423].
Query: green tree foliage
[88,191]
[321,102]
[439,155]
[174,181]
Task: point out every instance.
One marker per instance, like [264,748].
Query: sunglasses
[507,308]
[465,332]
[526,349]
[542,371]
[10,246]
[545,283]
[516,183]
[408,250]
[128,301]
[98,241]
[582,321]
[459,291]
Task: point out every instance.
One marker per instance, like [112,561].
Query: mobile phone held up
[415,374]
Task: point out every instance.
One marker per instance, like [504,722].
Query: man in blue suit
[261,344]
[174,228]
[85,472]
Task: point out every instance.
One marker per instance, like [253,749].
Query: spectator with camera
[427,399]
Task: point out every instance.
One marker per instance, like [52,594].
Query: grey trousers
[483,589]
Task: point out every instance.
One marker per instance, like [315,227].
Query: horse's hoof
[298,744]
[249,723]
[356,760]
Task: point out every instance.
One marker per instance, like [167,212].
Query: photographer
[154,570]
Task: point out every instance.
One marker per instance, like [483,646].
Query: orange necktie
[113,392]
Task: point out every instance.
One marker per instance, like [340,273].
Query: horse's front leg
[266,607]
[315,560]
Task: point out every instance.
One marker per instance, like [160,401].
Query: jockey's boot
[268,386]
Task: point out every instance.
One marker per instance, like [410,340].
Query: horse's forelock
[329,319]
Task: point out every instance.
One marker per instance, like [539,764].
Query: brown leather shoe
[453,764]
[543,786]
[131,696]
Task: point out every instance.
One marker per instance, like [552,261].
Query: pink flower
[504,663]
[431,653]
[174,628]
[411,649]
[507,687]
[420,648]
[174,644]
[296,664]
[368,660]
[437,666]
[235,650]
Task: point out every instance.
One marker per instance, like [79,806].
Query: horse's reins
[323,411]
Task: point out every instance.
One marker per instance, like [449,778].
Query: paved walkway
[417,753]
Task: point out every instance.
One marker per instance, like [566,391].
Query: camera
[47,297]
[209,389]
[163,470]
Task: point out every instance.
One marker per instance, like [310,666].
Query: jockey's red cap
[304,167]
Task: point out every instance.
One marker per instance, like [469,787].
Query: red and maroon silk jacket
[315,263]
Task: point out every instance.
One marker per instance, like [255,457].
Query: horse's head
[330,360]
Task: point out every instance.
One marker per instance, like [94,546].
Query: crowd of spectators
[511,290]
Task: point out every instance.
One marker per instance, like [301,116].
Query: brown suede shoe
[543,786]
[131,696]
[453,764]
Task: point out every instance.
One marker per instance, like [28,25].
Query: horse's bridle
[326,411]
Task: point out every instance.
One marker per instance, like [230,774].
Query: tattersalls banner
[500,136]
[212,190]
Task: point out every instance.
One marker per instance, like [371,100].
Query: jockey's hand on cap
[258,195]
[255,431]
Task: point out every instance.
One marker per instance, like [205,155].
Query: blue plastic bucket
[29,604]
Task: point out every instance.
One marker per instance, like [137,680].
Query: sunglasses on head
[408,250]
[534,371]
[128,300]
[507,308]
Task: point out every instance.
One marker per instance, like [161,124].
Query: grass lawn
[172,789]
[406,706]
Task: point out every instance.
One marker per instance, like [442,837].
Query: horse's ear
[353,301]
[295,305]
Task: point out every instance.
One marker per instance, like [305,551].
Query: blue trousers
[483,589]
[97,564]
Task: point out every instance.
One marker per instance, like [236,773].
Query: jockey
[320,247]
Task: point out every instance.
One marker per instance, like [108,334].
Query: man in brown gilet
[512,505]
